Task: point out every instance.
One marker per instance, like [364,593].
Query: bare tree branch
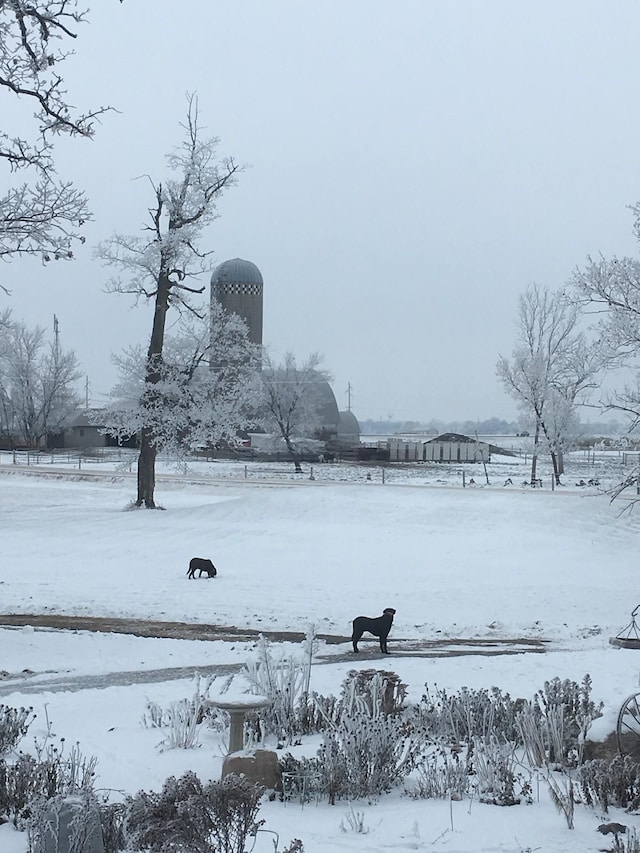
[42,216]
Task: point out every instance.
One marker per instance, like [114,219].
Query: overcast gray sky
[414,165]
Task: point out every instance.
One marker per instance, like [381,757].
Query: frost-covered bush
[554,726]
[610,783]
[51,773]
[64,822]
[112,817]
[365,755]
[302,778]
[179,721]
[285,682]
[440,775]
[373,744]
[498,775]
[461,716]
[186,815]
[381,692]
[20,782]
[14,723]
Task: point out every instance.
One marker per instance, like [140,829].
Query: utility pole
[348,393]
[56,337]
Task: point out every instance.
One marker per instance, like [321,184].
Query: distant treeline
[492,426]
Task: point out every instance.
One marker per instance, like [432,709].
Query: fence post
[383,476]
[79,462]
[245,472]
[464,479]
[311,477]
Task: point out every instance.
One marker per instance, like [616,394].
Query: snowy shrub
[65,773]
[19,784]
[460,717]
[14,723]
[554,726]
[532,735]
[154,716]
[496,765]
[215,818]
[319,710]
[354,822]
[366,756]
[440,775]
[610,783]
[563,798]
[285,682]
[302,778]
[51,773]
[180,720]
[381,691]
[112,817]
[296,846]
[366,751]
[71,823]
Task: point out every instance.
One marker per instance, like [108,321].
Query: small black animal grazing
[379,627]
[201,564]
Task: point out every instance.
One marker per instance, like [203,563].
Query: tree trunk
[556,467]
[148,451]
[534,456]
[146,470]
[293,454]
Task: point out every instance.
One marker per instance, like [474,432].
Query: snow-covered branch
[42,216]
[206,391]
[292,398]
[551,370]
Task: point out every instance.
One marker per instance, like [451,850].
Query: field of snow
[486,561]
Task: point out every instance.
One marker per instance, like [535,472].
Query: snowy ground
[486,561]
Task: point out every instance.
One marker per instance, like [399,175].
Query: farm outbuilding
[449,447]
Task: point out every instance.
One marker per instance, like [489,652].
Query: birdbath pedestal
[237,708]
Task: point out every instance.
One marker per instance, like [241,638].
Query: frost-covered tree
[206,393]
[163,264]
[37,379]
[551,368]
[39,213]
[609,291]
[292,400]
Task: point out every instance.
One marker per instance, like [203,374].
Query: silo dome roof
[237,271]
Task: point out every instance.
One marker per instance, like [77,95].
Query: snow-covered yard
[487,561]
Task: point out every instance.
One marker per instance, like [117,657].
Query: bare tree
[43,214]
[207,392]
[292,400]
[551,368]
[36,384]
[163,265]
[609,291]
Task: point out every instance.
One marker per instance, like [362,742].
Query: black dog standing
[379,627]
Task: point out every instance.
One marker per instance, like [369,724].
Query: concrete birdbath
[237,707]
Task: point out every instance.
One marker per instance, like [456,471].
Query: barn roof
[452,438]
